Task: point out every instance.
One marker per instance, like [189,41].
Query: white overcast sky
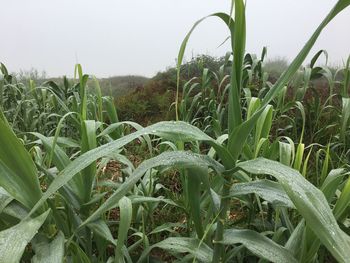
[118,37]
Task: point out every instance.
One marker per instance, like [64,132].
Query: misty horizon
[118,38]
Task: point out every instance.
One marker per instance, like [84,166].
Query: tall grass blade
[310,203]
[181,245]
[19,176]
[52,252]
[14,240]
[167,159]
[125,207]
[258,245]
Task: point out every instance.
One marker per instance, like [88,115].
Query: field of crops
[248,170]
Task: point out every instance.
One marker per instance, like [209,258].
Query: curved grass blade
[166,159]
[266,189]
[176,131]
[125,207]
[100,228]
[310,203]
[14,240]
[332,182]
[296,63]
[195,175]
[88,142]
[180,245]
[343,203]
[258,245]
[238,136]
[52,252]
[229,22]
[5,199]
[19,176]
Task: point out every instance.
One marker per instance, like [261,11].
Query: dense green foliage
[121,85]
[152,101]
[249,171]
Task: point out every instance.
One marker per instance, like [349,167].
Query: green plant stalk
[346,83]
[193,182]
[345,118]
[234,116]
[219,248]
[238,47]
[1,93]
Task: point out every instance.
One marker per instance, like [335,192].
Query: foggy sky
[142,37]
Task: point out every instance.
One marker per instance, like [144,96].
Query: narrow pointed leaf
[310,203]
[52,252]
[14,240]
[258,245]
